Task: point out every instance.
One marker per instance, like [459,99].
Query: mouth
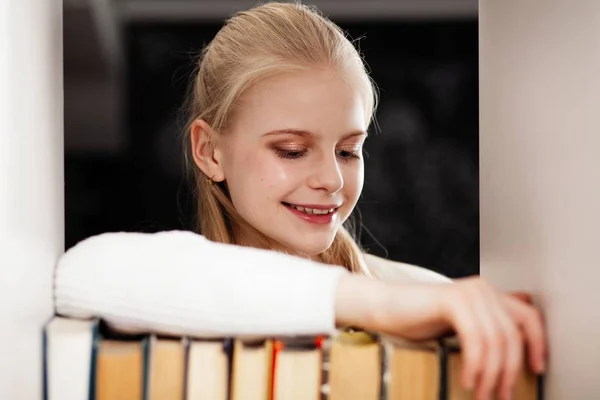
[318,214]
[313,209]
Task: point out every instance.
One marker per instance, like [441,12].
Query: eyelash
[295,154]
[351,154]
[290,154]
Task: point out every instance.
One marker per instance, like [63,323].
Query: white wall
[540,172]
[31,185]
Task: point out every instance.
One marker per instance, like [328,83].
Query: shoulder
[384,269]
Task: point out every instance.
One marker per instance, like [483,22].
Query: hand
[491,326]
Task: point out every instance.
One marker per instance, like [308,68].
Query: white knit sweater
[180,283]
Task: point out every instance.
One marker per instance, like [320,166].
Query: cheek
[353,181]
[263,175]
[273,174]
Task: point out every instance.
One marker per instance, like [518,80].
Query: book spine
[93,358]
[443,351]
[187,345]
[145,367]
[44,365]
[228,350]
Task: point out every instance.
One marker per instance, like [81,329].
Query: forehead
[318,101]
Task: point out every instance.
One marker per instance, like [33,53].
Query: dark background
[420,201]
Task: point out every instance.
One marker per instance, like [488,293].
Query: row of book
[83,359]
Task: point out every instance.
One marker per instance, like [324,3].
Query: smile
[321,211]
[313,214]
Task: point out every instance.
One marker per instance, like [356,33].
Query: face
[292,158]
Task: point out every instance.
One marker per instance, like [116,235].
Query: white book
[69,350]
[208,370]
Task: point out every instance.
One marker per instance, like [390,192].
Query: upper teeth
[313,210]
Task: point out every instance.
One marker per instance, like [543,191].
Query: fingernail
[471,383]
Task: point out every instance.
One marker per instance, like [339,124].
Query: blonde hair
[251,46]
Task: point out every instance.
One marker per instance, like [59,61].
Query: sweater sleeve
[181,283]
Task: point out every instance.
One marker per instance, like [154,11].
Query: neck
[249,237]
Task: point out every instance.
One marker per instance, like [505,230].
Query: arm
[181,283]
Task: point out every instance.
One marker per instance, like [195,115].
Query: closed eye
[349,154]
[290,154]
[343,154]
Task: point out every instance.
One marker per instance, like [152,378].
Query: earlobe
[202,141]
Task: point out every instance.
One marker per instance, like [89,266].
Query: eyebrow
[309,134]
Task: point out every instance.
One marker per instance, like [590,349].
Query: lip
[316,206]
[319,219]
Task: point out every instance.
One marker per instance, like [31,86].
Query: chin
[312,248]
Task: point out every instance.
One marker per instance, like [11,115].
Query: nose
[327,175]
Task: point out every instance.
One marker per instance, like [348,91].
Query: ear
[203,145]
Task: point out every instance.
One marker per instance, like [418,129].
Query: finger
[512,364]
[489,313]
[513,352]
[469,334]
[531,323]
[513,349]
[523,296]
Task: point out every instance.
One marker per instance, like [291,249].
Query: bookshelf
[540,177]
[31,185]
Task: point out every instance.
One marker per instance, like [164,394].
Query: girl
[278,115]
